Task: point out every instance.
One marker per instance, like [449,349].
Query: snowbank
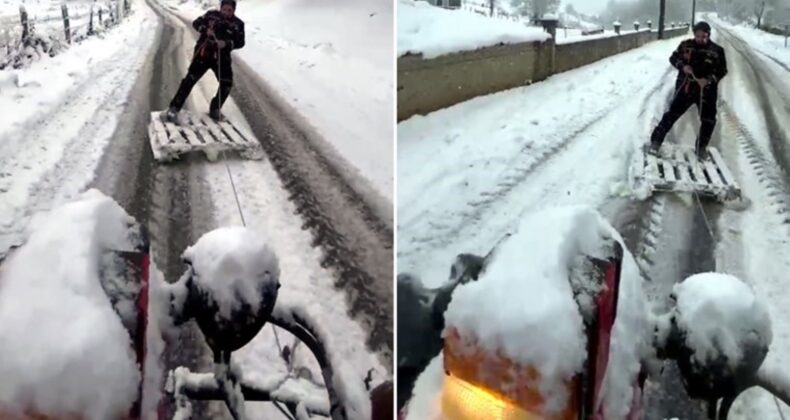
[63,349]
[433,31]
[526,288]
[721,314]
[235,264]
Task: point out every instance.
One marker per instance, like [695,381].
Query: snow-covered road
[81,122]
[467,174]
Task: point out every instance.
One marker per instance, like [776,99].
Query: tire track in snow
[444,234]
[776,187]
[779,142]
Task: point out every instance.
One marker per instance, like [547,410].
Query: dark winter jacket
[708,61]
[230,30]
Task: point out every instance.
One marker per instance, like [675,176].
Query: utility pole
[661,12]
[693,12]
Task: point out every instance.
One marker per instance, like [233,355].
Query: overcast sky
[589,7]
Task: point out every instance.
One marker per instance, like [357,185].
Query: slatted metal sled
[678,169]
[197,133]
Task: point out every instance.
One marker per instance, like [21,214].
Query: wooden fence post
[66,27]
[90,22]
[25,24]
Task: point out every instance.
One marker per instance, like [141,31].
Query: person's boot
[215,115]
[171,115]
[656,139]
[652,148]
[702,153]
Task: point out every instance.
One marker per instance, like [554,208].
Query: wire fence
[32,32]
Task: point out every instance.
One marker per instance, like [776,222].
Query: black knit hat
[702,26]
[230,2]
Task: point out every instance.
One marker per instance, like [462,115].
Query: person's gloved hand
[703,82]
[688,70]
[221,44]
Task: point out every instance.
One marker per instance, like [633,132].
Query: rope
[230,174]
[696,194]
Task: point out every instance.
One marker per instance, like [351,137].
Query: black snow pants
[688,94]
[222,70]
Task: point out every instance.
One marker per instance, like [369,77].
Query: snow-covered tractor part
[531,337]
[74,316]
[230,289]
[719,334]
[480,382]
[193,132]
[534,336]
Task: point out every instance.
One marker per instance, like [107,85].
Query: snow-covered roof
[550,16]
[433,31]
[63,348]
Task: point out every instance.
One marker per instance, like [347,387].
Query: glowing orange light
[484,385]
[462,400]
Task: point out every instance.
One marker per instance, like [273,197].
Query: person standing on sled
[701,65]
[220,33]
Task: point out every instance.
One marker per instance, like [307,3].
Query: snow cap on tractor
[531,337]
[232,285]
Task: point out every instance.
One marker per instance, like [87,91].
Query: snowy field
[333,64]
[63,107]
[469,173]
[433,31]
[46,17]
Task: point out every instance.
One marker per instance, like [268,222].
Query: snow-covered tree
[535,8]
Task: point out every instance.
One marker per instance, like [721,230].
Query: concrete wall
[578,54]
[428,85]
